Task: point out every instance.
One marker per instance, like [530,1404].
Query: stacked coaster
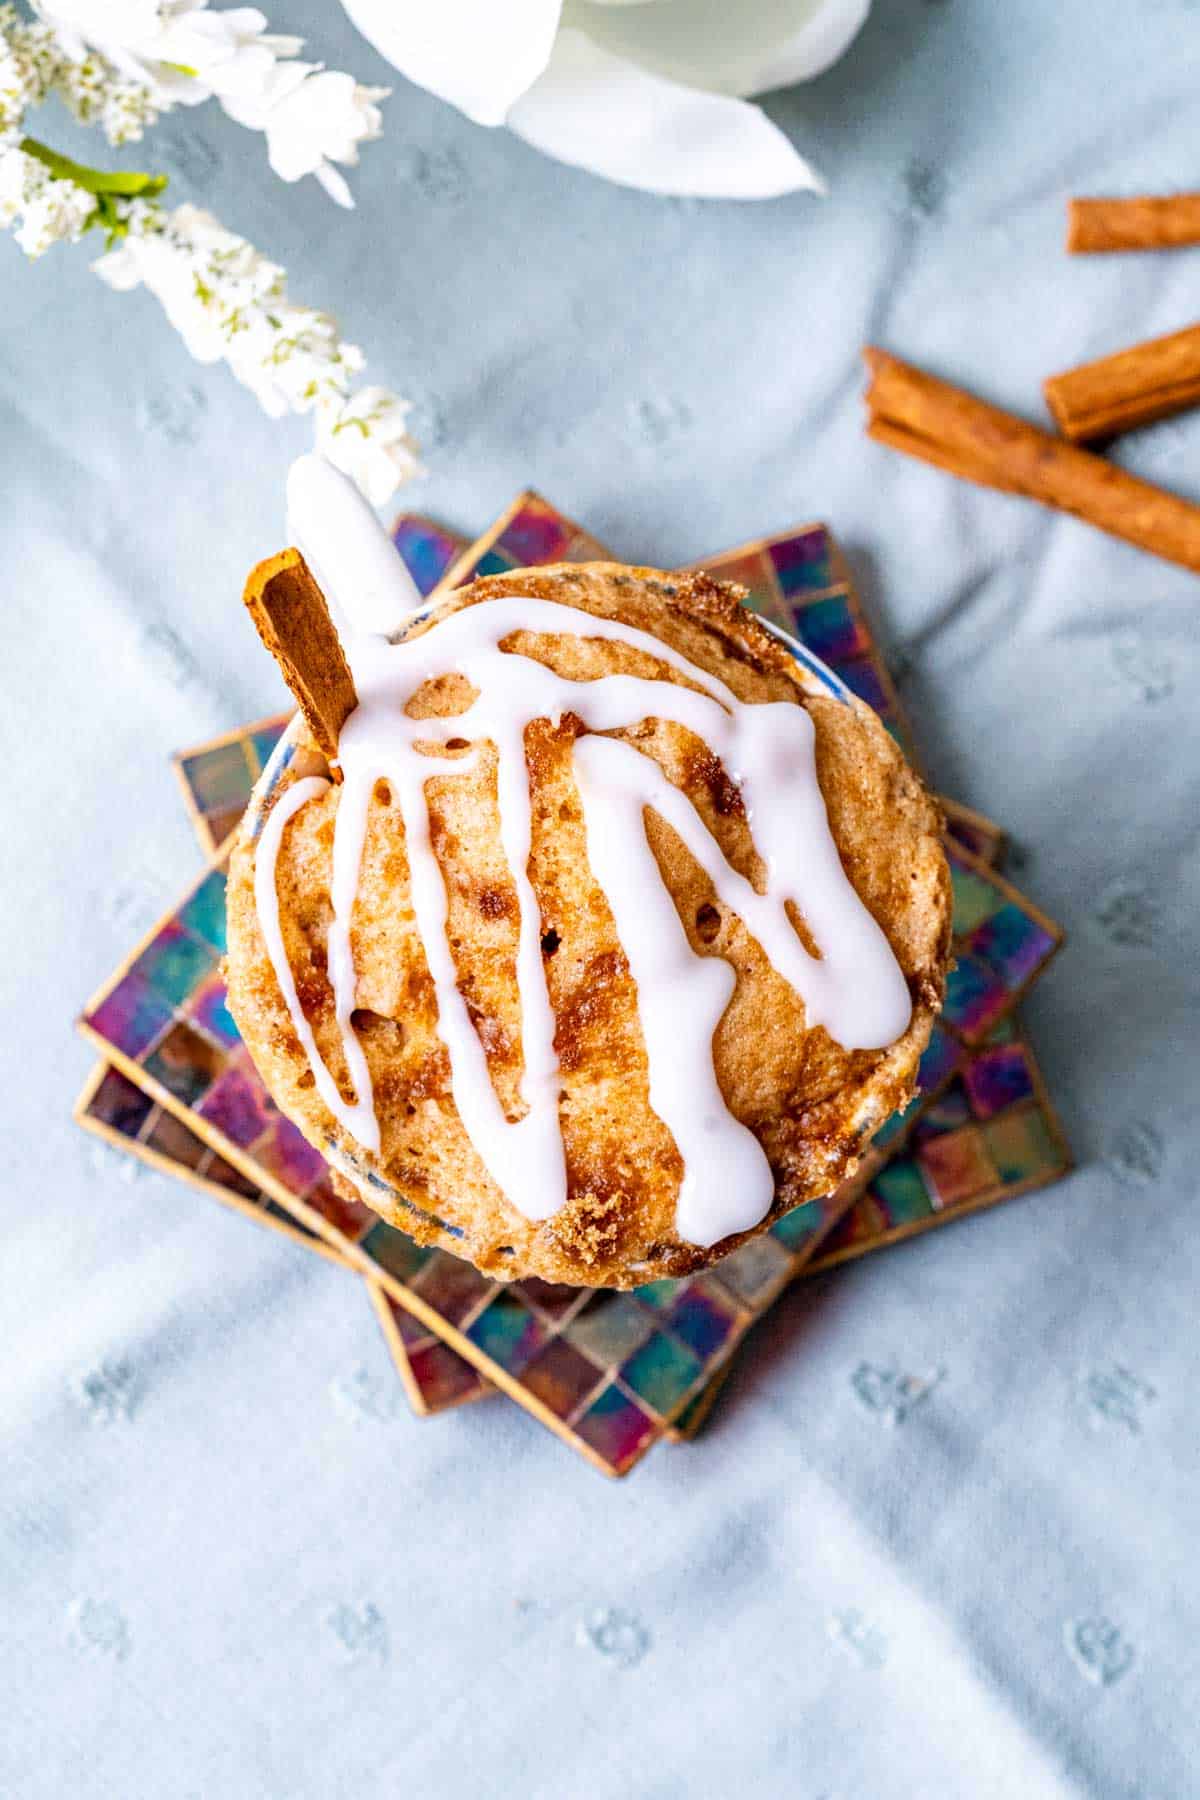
[610,1372]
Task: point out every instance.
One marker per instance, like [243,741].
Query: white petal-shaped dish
[481,55]
[600,112]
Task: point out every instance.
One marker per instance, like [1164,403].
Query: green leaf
[127,184]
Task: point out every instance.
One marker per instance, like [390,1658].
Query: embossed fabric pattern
[937,1537]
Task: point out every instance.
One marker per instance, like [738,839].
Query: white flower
[124,61]
[210,283]
[97,95]
[28,60]
[230,304]
[178,48]
[50,211]
[650,93]
[312,118]
[119,63]
[367,439]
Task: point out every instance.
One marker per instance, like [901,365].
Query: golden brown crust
[811,1104]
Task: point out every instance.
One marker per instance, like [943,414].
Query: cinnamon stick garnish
[294,623]
[945,426]
[1133,387]
[1148,222]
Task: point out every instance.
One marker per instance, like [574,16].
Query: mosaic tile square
[661,1372]
[208,1008]
[131,1016]
[610,1326]
[562,1377]
[702,1318]
[615,1431]
[510,1333]
[954,1166]
[757,1270]
[184,1062]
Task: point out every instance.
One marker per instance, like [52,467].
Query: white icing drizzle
[854,987]
[359,1118]
[367,588]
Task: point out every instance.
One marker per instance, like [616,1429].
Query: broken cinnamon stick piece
[294,623]
[1133,387]
[946,426]
[1147,222]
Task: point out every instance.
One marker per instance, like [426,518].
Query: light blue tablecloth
[233,1564]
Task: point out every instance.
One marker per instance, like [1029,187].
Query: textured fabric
[232,1562]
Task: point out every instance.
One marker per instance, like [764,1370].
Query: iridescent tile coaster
[111,1107]
[435,1377]
[530,532]
[975,832]
[216,777]
[800,580]
[990,1135]
[1002,943]
[114,1109]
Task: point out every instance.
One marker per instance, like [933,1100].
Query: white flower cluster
[33,64]
[97,95]
[28,60]
[230,304]
[126,61]
[49,211]
[118,64]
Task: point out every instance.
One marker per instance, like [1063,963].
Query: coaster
[113,1109]
[217,777]
[975,832]
[529,532]
[801,581]
[991,1134]
[638,1376]
[1002,944]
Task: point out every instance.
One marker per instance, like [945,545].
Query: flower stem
[127,184]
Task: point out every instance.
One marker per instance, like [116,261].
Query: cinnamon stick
[1147,222]
[1133,387]
[946,426]
[294,623]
